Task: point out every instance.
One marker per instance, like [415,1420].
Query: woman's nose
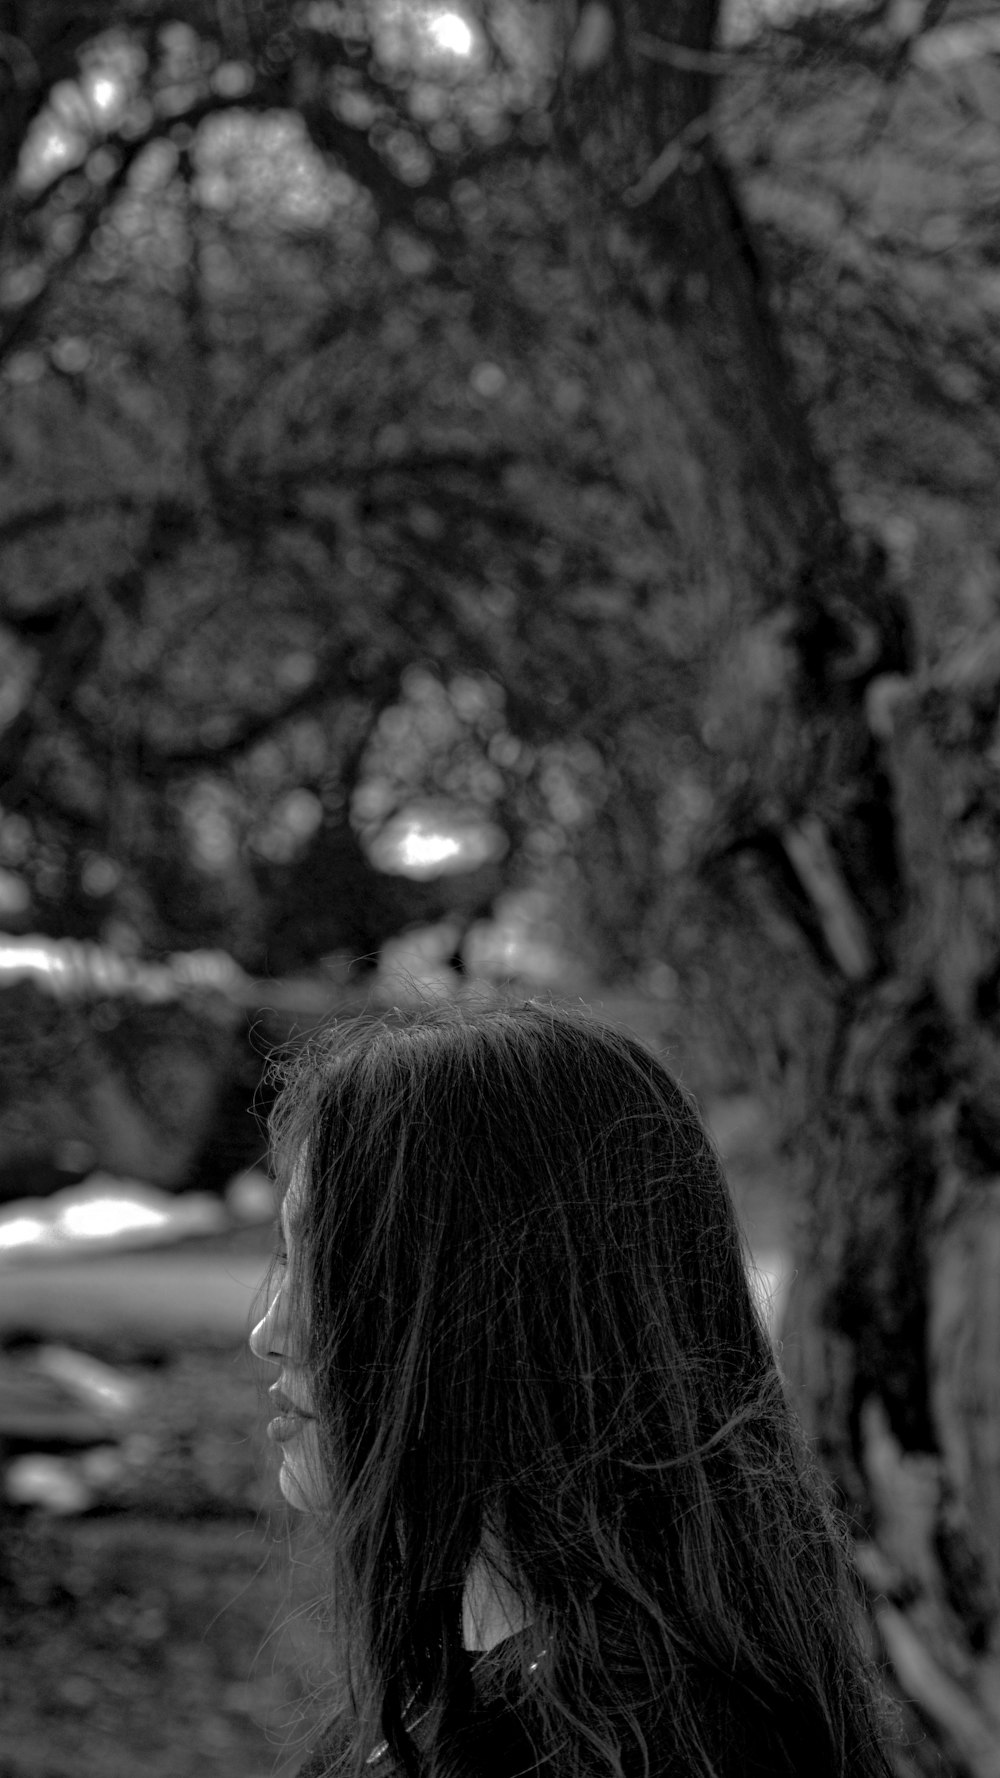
[266,1338]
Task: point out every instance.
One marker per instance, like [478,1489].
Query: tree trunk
[848,886]
[895,1330]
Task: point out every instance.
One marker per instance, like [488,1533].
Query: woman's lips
[286,1426]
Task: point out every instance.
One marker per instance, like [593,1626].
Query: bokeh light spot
[422,849]
[452,33]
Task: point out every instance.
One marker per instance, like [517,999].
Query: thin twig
[668,160]
[695,61]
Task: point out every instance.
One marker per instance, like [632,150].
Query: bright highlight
[452,33]
[108,1216]
[423,849]
[22,1231]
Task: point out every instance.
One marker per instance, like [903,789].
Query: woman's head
[517,1307]
[508,1219]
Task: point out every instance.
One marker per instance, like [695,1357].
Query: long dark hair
[528,1325]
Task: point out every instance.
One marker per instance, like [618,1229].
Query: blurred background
[366,634]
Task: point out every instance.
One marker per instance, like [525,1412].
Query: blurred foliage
[874,198]
[332,450]
[135,1088]
[281,411]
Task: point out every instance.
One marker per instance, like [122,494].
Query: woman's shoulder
[497,1749]
[492,1739]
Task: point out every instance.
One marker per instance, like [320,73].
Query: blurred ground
[163,1631]
[154,1635]
[147,1644]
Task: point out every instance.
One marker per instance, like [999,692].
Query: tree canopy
[347,464]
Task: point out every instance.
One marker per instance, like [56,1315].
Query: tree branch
[58,512]
[669,160]
[955,1714]
[816,867]
[163,763]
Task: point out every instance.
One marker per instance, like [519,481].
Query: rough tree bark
[857,871]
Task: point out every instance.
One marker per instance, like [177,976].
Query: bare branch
[818,871]
[60,512]
[697,61]
[335,677]
[669,160]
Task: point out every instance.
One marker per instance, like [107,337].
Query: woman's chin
[292,1488]
[296,1478]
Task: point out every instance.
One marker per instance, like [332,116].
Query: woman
[530,1399]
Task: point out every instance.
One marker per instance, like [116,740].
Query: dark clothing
[501,1745]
